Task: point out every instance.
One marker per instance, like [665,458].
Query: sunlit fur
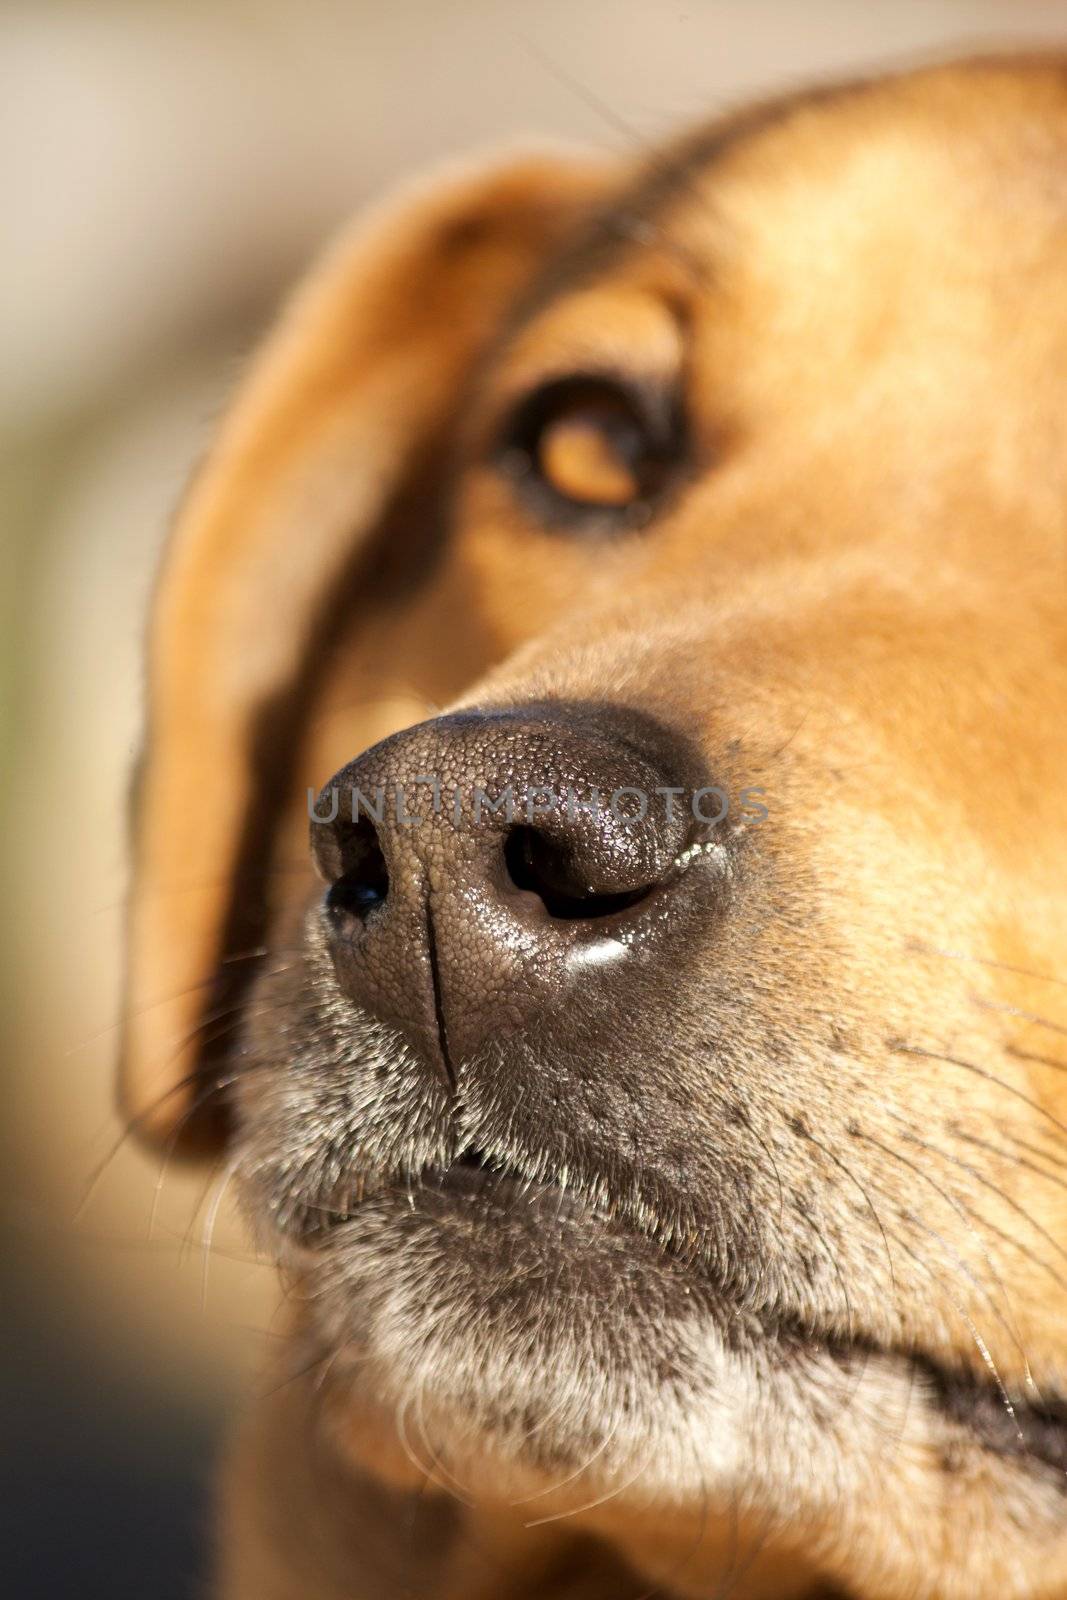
[820,1190]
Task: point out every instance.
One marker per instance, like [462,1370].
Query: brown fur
[857,601]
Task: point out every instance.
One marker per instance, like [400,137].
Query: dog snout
[483,865]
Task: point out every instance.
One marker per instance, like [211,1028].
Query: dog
[653,1082]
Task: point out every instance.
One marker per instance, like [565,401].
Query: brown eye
[590,451]
[586,446]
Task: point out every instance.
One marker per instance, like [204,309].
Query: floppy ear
[333,419]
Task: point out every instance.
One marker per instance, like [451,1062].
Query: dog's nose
[483,865]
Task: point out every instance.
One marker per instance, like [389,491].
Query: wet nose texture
[482,865]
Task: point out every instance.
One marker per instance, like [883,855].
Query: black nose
[483,865]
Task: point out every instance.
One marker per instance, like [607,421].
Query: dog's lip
[1027,1426]
[471,1176]
[474,1175]
[1030,1428]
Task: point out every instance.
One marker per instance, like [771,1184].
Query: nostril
[538,864]
[363,883]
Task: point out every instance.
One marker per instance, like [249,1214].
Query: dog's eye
[588,446]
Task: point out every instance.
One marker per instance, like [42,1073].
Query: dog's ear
[335,414]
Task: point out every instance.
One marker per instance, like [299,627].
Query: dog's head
[663,1083]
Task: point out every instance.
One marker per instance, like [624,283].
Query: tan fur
[335,405]
[868,572]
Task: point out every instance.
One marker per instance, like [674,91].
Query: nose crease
[438,1000]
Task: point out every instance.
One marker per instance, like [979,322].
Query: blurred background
[168,167]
